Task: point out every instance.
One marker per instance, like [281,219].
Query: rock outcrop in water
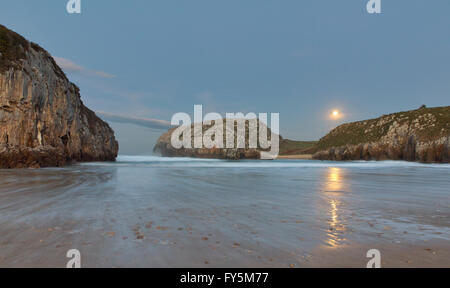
[419,135]
[43,121]
[164,146]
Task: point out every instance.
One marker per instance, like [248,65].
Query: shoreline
[296,157]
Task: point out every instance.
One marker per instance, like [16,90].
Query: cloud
[144,122]
[70,66]
[103,74]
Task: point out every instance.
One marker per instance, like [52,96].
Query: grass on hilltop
[12,47]
[290,147]
[427,128]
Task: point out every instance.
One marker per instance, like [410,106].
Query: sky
[145,60]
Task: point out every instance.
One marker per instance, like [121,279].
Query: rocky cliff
[419,135]
[164,146]
[43,121]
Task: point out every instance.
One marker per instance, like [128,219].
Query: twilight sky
[153,58]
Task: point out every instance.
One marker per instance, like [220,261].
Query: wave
[143,159]
[156,161]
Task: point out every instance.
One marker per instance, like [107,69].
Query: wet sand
[425,254]
[178,213]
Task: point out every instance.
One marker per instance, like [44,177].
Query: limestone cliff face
[165,148]
[43,121]
[419,135]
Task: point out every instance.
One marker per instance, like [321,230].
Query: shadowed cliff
[43,121]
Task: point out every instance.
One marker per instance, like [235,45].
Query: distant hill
[417,135]
[291,147]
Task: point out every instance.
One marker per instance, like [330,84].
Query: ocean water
[145,211]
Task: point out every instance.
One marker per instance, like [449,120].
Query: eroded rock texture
[43,121]
[165,148]
[419,135]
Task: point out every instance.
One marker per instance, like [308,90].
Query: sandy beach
[155,212]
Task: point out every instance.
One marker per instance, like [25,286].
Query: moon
[336,115]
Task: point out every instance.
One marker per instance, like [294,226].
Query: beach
[146,211]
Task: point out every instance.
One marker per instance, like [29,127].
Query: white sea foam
[141,159]
[156,161]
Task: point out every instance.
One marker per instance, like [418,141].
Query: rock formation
[43,121]
[165,148]
[419,135]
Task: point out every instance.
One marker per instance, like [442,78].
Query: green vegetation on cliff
[418,135]
[290,147]
[427,124]
[12,47]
